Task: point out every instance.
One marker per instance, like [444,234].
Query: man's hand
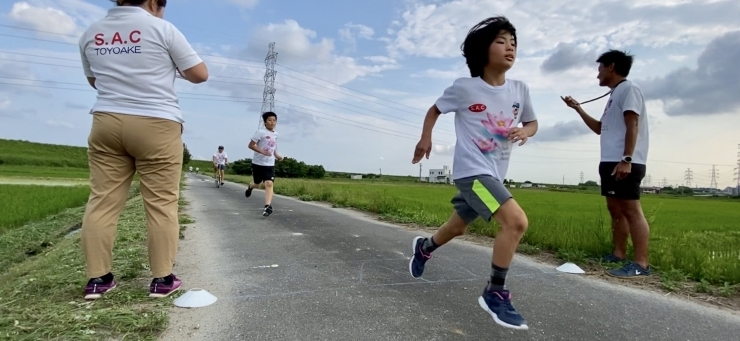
[569,101]
[423,148]
[622,170]
[518,134]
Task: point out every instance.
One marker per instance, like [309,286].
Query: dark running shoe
[419,258]
[248,193]
[631,270]
[267,211]
[96,287]
[498,305]
[163,287]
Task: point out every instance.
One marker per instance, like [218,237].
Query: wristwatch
[627,159]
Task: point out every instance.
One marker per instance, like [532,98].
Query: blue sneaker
[498,304]
[416,264]
[631,270]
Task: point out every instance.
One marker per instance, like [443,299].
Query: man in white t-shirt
[488,108]
[264,145]
[220,160]
[623,128]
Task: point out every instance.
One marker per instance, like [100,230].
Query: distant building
[443,175]
[356,177]
[650,190]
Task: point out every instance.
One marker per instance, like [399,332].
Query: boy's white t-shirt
[626,96]
[483,116]
[132,55]
[220,158]
[265,140]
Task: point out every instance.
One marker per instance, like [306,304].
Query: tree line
[288,168]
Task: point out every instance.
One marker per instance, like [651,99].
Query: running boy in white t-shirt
[264,145]
[220,160]
[488,108]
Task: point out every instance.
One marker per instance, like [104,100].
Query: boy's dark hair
[479,40]
[622,61]
[160,3]
[267,115]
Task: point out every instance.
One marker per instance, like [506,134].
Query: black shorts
[627,188]
[263,173]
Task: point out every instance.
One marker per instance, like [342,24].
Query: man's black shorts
[263,173]
[627,188]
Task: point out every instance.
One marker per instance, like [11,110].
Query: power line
[417,124]
[217,56]
[713,182]
[581,176]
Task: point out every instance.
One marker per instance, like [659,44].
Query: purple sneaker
[163,287]
[96,287]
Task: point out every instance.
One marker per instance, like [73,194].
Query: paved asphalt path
[311,272]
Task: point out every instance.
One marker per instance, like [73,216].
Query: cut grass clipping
[41,297]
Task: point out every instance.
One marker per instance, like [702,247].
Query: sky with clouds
[354,79]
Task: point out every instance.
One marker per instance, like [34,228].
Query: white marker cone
[570,268]
[195,298]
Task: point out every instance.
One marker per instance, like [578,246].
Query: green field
[24,153]
[23,203]
[694,239]
[43,190]
[698,237]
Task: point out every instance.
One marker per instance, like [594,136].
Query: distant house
[443,175]
[650,190]
[356,176]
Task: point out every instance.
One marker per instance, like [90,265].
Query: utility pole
[737,172]
[665,182]
[713,182]
[563,180]
[581,177]
[649,180]
[419,171]
[688,176]
[268,94]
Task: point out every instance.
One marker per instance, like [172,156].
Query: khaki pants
[119,146]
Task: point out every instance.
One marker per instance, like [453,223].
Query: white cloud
[44,18]
[55,123]
[436,29]
[67,19]
[351,32]
[245,3]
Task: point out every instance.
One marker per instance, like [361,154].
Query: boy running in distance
[488,108]
[220,160]
[264,145]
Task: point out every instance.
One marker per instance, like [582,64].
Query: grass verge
[41,294]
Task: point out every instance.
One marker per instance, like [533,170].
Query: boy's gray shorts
[479,196]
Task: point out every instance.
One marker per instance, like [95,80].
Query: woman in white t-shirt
[131,57]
